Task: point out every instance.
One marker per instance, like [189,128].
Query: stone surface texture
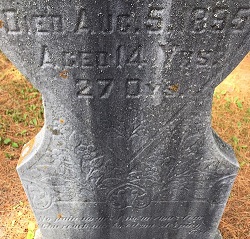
[127,150]
[218,235]
[38,235]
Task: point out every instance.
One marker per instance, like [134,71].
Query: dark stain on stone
[64,74]
[54,131]
[174,87]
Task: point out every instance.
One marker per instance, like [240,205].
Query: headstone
[127,150]
[38,234]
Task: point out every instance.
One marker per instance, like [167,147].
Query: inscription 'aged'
[119,57]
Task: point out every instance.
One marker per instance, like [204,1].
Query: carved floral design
[87,152]
[39,196]
[163,168]
[126,195]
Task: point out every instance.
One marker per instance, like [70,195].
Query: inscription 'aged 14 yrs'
[127,150]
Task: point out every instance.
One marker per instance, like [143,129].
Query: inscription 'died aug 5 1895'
[127,150]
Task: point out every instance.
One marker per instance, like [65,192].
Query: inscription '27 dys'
[102,89]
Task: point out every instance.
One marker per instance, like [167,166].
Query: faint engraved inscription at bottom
[173,222]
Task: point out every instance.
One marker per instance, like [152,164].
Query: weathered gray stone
[218,235]
[127,150]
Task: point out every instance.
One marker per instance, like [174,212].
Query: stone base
[38,235]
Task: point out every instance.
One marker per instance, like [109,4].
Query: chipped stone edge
[217,236]
[31,148]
